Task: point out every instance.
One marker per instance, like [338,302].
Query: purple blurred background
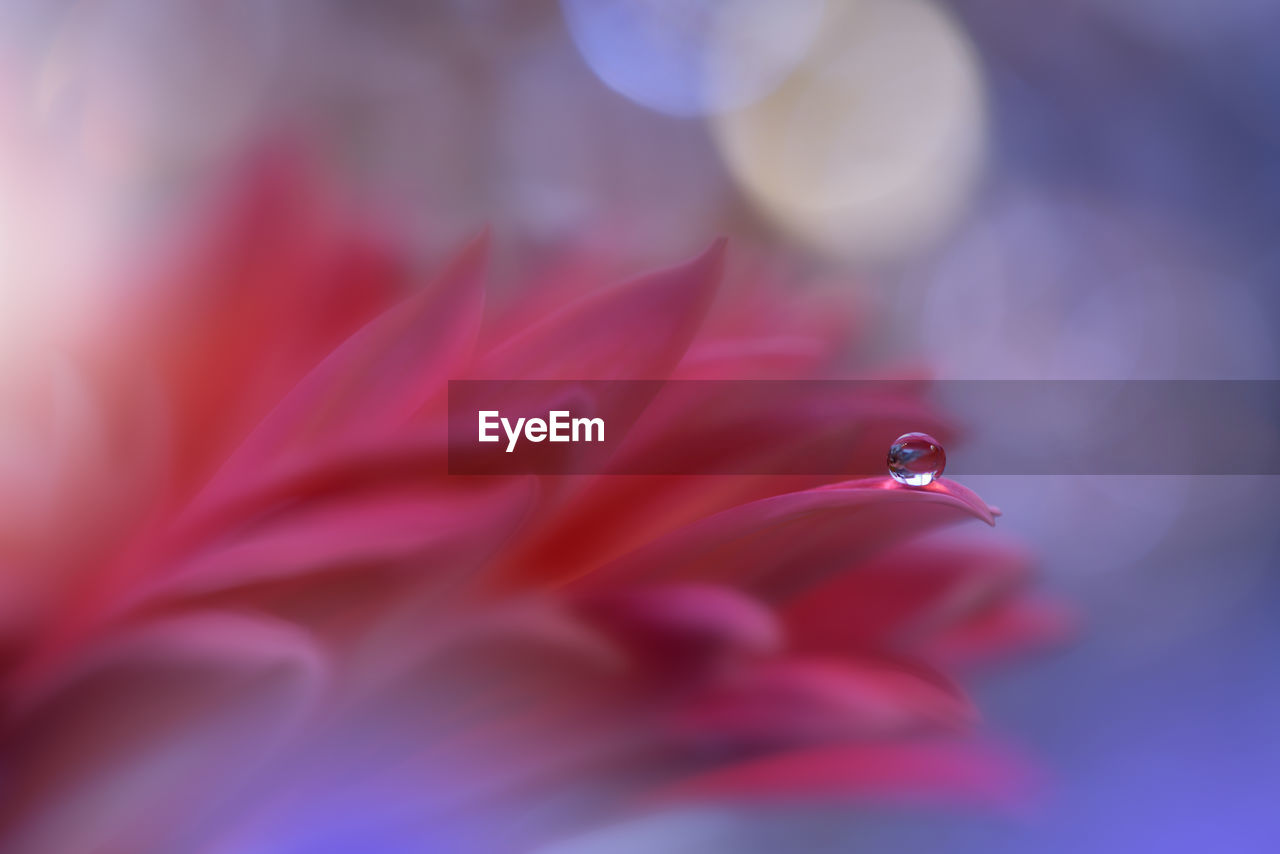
[1082,189]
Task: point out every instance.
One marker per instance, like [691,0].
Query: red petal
[683,632]
[779,546]
[904,596]
[894,772]
[798,701]
[442,529]
[637,330]
[1008,627]
[381,375]
[690,613]
[171,719]
[261,294]
[224,640]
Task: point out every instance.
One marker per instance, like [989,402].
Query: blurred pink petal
[636,330]
[800,700]
[378,378]
[908,772]
[255,608]
[108,757]
[778,546]
[328,533]
[909,593]
[686,614]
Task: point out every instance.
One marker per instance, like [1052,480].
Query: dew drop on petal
[916,459]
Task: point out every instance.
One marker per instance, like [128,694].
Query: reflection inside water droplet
[916,459]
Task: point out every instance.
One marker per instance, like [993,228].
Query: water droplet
[916,459]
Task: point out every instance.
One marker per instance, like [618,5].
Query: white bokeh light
[871,147]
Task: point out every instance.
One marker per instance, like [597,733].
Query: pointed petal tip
[965,495]
[942,487]
[712,258]
[476,247]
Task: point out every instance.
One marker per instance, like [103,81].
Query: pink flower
[248,610]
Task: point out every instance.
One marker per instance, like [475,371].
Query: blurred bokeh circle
[870,148]
[693,57]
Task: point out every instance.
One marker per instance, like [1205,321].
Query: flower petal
[1008,627]
[358,530]
[229,641]
[377,379]
[797,701]
[170,718]
[683,631]
[778,546]
[909,772]
[636,330]
[906,595]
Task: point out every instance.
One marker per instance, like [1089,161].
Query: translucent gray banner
[830,427]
